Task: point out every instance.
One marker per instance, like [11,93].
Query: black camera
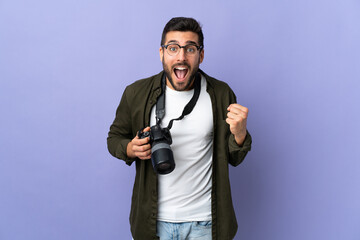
[162,157]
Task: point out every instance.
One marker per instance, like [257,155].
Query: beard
[182,86]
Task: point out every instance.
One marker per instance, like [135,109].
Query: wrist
[239,139]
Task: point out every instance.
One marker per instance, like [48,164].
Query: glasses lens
[190,49]
[173,49]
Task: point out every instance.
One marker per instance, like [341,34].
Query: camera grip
[142,134]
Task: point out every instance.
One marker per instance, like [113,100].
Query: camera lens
[163,166]
[162,158]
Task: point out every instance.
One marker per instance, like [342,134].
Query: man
[194,200]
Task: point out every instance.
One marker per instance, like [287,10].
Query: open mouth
[181,72]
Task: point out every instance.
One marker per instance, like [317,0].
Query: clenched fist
[236,118]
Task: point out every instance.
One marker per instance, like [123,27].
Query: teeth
[181,68]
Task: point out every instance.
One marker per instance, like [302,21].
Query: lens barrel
[162,158]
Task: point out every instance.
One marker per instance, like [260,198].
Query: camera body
[162,157]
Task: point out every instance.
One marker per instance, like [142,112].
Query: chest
[196,126]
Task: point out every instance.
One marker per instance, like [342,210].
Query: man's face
[181,68]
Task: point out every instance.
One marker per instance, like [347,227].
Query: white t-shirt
[185,193]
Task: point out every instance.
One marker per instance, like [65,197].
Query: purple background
[64,66]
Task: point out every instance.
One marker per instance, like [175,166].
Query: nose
[181,55]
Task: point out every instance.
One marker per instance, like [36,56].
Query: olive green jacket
[133,114]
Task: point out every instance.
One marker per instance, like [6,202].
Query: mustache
[180,64]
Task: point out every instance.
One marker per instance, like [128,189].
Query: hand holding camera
[139,147]
[162,157]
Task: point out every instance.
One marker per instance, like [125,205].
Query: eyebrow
[187,42]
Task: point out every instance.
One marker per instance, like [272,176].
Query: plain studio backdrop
[64,66]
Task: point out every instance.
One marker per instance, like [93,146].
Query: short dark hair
[183,24]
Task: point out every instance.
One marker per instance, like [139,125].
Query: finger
[237,107]
[144,155]
[239,110]
[231,122]
[236,122]
[237,116]
[142,148]
[234,114]
[146,129]
[228,121]
[140,141]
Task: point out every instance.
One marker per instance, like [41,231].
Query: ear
[161,52]
[201,55]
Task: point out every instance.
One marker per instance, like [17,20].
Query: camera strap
[160,104]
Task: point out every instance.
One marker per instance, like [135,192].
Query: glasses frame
[199,48]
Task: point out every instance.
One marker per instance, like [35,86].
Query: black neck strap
[160,104]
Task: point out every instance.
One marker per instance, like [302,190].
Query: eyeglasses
[173,49]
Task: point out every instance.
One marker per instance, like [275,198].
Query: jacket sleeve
[238,153]
[120,133]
